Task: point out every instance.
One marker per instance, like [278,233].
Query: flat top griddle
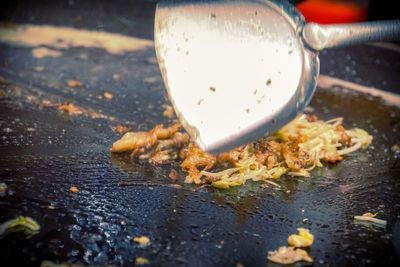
[44,152]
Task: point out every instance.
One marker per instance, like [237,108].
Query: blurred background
[346,11]
[321,11]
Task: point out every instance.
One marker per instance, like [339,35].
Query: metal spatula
[237,70]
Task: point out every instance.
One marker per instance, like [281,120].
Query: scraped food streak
[66,37]
[41,52]
[325,81]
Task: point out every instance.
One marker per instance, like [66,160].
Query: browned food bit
[97,115]
[41,52]
[333,158]
[173,175]
[345,138]
[73,189]
[108,95]
[141,261]
[165,133]
[73,83]
[134,140]
[70,109]
[143,153]
[166,149]
[291,159]
[268,159]
[168,111]
[231,157]
[120,129]
[194,159]
[268,153]
[296,149]
[163,157]
[177,140]
[288,255]
[142,240]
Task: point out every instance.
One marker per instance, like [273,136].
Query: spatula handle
[319,37]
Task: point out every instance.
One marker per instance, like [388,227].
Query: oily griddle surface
[44,152]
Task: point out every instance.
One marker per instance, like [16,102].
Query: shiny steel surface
[320,37]
[234,70]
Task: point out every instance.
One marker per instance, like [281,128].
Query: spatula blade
[231,74]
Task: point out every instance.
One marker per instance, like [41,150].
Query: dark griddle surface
[44,152]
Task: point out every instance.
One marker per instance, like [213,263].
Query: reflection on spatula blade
[231,69]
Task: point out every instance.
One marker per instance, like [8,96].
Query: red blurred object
[331,11]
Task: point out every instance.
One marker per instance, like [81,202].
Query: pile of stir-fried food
[296,149]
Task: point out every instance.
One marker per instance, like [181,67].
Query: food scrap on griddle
[147,144]
[21,223]
[120,129]
[370,217]
[173,175]
[142,240]
[141,261]
[293,253]
[70,109]
[303,239]
[108,95]
[296,149]
[73,189]
[288,255]
[73,83]
[168,111]
[3,188]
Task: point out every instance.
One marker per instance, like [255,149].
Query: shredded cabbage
[20,223]
[304,145]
